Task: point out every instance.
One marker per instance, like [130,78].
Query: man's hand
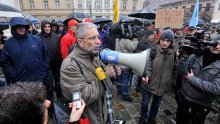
[145,80]
[76,113]
[1,46]
[110,71]
[190,74]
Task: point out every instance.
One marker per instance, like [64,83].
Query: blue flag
[195,16]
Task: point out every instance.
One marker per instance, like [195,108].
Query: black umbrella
[200,22]
[102,20]
[78,16]
[143,13]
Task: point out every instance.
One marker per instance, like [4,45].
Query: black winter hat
[148,32]
[167,34]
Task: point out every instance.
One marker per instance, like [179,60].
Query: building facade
[60,9]
[13,3]
[208,9]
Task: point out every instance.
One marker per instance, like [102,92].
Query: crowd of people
[39,66]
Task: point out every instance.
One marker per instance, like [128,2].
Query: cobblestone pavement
[131,111]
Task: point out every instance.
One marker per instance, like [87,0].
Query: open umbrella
[200,22]
[78,16]
[6,12]
[31,18]
[99,20]
[143,13]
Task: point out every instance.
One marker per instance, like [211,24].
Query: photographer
[200,86]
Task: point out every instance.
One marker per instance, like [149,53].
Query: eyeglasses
[97,37]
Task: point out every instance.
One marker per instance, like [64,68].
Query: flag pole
[116,11]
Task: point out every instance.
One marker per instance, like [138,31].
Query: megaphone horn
[135,61]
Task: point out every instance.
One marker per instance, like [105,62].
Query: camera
[76,98]
[128,29]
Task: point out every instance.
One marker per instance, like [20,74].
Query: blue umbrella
[31,18]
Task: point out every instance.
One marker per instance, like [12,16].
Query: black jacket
[203,87]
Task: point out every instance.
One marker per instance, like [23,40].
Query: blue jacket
[25,58]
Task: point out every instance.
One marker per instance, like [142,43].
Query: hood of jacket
[43,23]
[18,21]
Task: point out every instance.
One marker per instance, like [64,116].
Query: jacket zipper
[161,73]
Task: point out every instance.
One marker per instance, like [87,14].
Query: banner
[116,11]
[172,18]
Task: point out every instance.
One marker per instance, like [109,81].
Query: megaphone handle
[116,72]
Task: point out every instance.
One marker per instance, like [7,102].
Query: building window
[31,4]
[88,4]
[200,7]
[45,4]
[124,5]
[192,8]
[68,5]
[80,5]
[57,4]
[134,5]
[219,6]
[107,5]
[48,18]
[98,6]
[21,4]
[208,6]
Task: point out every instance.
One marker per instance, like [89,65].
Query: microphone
[102,77]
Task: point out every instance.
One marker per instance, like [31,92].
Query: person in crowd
[26,103]
[147,43]
[37,26]
[159,78]
[147,26]
[55,27]
[191,31]
[24,57]
[79,74]
[206,27]
[69,39]
[179,37]
[102,32]
[52,42]
[213,32]
[200,86]
[2,37]
[32,30]
[206,37]
[61,28]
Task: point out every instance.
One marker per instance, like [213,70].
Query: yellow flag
[116,11]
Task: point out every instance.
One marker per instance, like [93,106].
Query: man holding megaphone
[78,73]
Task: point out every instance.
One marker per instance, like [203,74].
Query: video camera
[196,44]
[128,28]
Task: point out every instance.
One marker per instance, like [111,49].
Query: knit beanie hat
[167,34]
[215,40]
